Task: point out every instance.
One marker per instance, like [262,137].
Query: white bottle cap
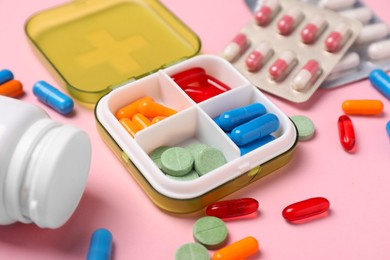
[47,174]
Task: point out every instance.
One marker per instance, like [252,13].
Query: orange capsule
[152,109]
[141,121]
[130,127]
[238,250]
[12,88]
[158,119]
[362,107]
[131,109]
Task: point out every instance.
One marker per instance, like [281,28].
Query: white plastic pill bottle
[44,166]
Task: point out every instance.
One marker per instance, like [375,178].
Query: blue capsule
[388,128]
[5,75]
[53,97]
[255,129]
[101,245]
[381,81]
[235,117]
[256,144]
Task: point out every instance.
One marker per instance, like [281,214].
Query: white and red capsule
[266,12]
[313,29]
[283,65]
[307,76]
[290,20]
[259,56]
[236,47]
[337,38]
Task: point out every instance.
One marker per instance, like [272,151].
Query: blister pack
[371,49]
[289,47]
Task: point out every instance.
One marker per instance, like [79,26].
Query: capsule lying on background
[238,250]
[381,81]
[362,107]
[100,245]
[5,75]
[232,208]
[305,209]
[53,97]
[346,133]
[12,88]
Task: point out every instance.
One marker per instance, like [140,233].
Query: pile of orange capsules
[142,113]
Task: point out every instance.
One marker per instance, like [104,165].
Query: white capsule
[306,76]
[236,47]
[348,62]
[336,5]
[362,14]
[373,32]
[379,50]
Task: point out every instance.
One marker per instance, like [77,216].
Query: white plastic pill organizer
[292,42]
[374,36]
[192,124]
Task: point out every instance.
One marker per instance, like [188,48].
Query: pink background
[357,185]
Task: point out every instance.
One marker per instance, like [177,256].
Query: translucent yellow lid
[97,45]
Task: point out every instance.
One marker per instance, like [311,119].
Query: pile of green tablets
[187,163]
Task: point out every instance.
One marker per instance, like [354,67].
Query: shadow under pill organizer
[193,123]
[289,47]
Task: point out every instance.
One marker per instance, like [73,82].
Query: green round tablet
[305,127]
[192,251]
[209,159]
[155,155]
[177,161]
[192,175]
[196,148]
[210,231]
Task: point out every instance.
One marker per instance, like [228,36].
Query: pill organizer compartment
[291,42]
[193,123]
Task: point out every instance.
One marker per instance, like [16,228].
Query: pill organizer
[304,59]
[115,52]
[97,45]
[193,123]
[371,49]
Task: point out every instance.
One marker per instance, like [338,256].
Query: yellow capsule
[130,127]
[362,107]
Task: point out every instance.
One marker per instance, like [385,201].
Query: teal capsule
[53,97]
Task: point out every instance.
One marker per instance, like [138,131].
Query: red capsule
[346,133]
[232,208]
[199,94]
[305,209]
[188,76]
